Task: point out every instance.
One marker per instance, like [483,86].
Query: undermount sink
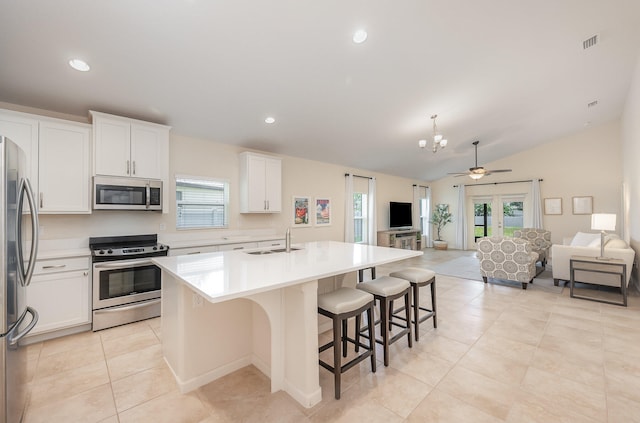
[282,250]
[277,250]
[259,253]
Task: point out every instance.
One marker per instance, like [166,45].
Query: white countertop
[227,275]
[174,245]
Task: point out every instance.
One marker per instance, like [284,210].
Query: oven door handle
[119,264]
[133,306]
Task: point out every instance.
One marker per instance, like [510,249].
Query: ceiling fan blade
[458,173]
[499,170]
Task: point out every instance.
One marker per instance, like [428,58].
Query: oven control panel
[132,251]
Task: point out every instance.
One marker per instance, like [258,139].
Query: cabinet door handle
[85,273]
[128,167]
[134,167]
[193,252]
[56,266]
[267,204]
[41,199]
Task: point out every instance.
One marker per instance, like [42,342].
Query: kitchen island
[223,311]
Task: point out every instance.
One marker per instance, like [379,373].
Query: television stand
[406,239]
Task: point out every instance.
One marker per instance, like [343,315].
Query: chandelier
[438,140]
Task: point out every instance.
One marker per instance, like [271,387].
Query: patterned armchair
[540,240]
[507,258]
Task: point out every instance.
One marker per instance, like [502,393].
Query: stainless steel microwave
[113,193]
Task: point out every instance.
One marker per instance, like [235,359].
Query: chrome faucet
[287,240]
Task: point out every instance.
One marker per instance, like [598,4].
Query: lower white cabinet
[274,243]
[193,250]
[238,246]
[60,292]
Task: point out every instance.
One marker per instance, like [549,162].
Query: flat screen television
[400,215]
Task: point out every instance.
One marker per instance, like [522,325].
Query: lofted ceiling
[511,74]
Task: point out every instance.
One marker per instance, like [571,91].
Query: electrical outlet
[163,226]
[197,300]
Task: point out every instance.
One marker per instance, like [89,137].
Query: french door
[497,215]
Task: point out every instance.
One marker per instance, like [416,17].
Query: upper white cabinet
[260,183]
[58,159]
[129,147]
[64,167]
[22,129]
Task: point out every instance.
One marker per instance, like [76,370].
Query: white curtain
[372,228]
[537,204]
[348,208]
[427,225]
[416,208]
[461,223]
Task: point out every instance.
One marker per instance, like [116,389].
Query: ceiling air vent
[590,42]
[592,104]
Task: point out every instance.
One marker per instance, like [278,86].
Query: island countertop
[226,275]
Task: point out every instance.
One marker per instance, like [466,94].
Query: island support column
[293,314]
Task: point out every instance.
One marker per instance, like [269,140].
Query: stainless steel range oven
[126,284]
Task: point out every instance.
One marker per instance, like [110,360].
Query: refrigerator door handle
[25,276]
[13,339]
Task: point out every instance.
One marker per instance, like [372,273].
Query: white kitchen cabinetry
[60,291]
[129,147]
[22,129]
[64,167]
[238,246]
[193,250]
[274,243]
[260,183]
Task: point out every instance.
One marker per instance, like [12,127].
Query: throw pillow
[583,239]
[596,242]
[616,243]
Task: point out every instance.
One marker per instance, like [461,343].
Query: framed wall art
[300,211]
[553,206]
[323,211]
[582,205]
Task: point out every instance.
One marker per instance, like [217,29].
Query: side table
[609,272]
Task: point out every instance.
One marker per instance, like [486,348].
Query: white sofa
[586,244]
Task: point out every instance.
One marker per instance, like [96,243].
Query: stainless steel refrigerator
[17,214]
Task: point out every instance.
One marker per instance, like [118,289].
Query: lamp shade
[603,222]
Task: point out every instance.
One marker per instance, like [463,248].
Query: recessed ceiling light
[269,120]
[79,65]
[360,36]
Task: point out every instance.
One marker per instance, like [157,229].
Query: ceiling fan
[478,172]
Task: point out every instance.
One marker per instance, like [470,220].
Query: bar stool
[386,289]
[418,278]
[361,273]
[339,306]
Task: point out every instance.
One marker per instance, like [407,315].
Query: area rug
[468,267]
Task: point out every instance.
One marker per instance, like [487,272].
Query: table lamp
[603,222]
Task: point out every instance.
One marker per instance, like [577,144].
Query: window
[360,218]
[201,203]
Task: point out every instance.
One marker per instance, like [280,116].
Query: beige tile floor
[499,354]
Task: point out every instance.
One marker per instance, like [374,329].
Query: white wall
[587,163]
[631,166]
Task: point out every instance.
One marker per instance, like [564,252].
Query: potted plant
[440,218]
